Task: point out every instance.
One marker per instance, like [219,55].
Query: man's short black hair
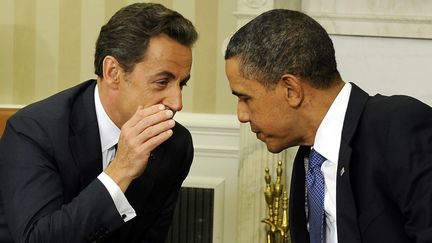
[282,41]
[127,34]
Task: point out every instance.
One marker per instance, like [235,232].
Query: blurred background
[384,46]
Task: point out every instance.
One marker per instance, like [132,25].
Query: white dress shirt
[327,143]
[109,135]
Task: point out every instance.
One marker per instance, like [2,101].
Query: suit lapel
[297,204]
[85,139]
[348,229]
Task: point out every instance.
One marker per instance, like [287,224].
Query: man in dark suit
[363,172]
[104,161]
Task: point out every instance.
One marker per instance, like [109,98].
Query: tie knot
[315,159]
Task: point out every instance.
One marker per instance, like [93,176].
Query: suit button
[123,216]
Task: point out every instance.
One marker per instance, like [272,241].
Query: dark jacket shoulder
[56,106]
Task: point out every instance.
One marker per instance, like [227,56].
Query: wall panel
[69,43]
[6,50]
[48,45]
[47,48]
[24,51]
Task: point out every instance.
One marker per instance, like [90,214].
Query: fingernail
[171,122]
[161,107]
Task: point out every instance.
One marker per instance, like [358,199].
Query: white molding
[373,17]
[246,14]
[256,4]
[248,9]
[214,135]
[217,152]
[203,182]
[11,106]
[344,21]
[406,26]
[205,121]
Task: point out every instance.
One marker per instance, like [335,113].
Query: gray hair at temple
[127,34]
[282,41]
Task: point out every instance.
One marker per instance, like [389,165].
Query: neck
[108,101]
[317,106]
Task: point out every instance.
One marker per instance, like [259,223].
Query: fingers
[155,130]
[141,113]
[152,120]
[155,141]
[146,124]
[140,135]
[145,118]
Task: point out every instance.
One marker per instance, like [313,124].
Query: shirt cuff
[120,201]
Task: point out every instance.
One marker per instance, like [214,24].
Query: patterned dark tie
[110,159]
[315,187]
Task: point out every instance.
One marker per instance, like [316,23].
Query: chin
[271,147]
[274,149]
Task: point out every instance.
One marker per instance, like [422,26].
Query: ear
[111,71]
[292,88]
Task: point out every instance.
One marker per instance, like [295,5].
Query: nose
[174,100]
[242,113]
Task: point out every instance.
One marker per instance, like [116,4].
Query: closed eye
[241,97]
[163,79]
[244,98]
[162,83]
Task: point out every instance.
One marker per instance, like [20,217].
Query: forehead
[164,49]
[232,68]
[165,54]
[238,83]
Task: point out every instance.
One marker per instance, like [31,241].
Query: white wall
[386,65]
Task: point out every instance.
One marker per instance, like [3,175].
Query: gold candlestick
[277,200]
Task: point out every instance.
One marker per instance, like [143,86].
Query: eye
[162,83]
[243,98]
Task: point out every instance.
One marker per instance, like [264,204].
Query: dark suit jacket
[50,156]
[384,178]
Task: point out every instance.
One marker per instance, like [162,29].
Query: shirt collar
[328,136]
[109,132]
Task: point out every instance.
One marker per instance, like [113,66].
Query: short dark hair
[282,41]
[127,34]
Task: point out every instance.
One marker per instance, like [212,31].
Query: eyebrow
[165,73]
[172,76]
[238,94]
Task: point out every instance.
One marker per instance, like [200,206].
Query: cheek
[276,123]
[143,97]
[155,97]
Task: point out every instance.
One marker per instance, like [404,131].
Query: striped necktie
[315,187]
[112,153]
